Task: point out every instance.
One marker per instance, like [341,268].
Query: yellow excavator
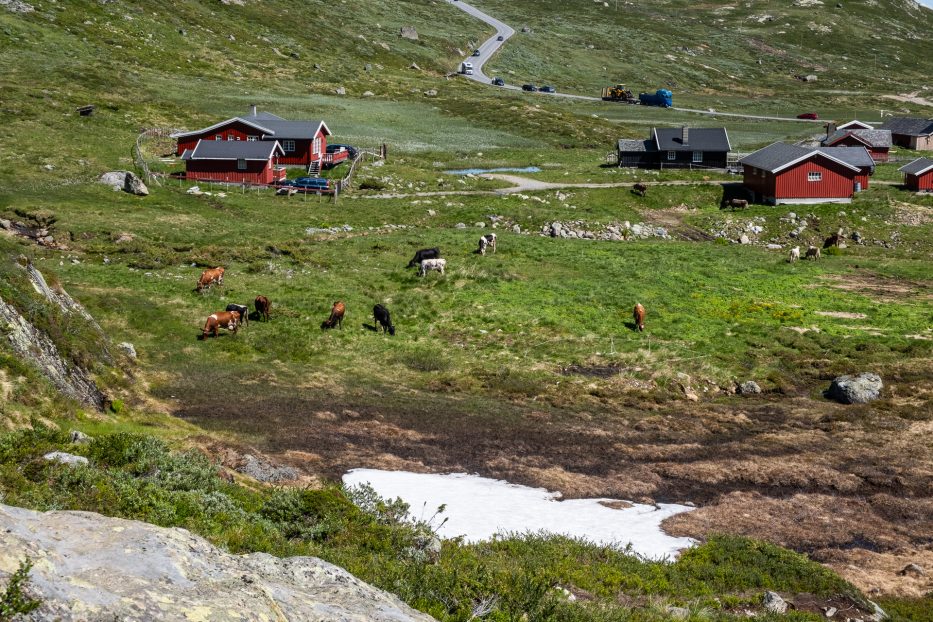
[618,93]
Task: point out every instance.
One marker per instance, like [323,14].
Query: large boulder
[114,179]
[92,567]
[859,389]
[134,185]
[408,32]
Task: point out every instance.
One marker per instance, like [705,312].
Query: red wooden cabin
[782,173]
[858,134]
[304,143]
[238,162]
[918,175]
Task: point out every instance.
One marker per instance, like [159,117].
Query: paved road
[492,45]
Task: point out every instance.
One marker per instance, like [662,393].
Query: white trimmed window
[697,156]
[316,148]
[241,164]
[288,145]
[672,155]
[252,139]
[219,137]
[814,176]
[231,137]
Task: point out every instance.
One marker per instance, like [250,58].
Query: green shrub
[13,602]
[832,250]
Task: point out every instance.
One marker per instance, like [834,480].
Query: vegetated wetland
[521,365]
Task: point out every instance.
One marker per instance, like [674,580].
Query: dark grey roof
[698,139]
[856,156]
[232,150]
[872,138]
[918,166]
[778,156]
[910,126]
[289,129]
[630,145]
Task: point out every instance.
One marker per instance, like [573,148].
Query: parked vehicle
[619,93]
[350,149]
[661,97]
[809,115]
[529,87]
[466,68]
[498,82]
[500,38]
[307,184]
[547,89]
[476,52]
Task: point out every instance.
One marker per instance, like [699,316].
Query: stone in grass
[860,389]
[65,458]
[773,603]
[749,387]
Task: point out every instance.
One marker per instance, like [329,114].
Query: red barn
[858,134]
[303,143]
[859,157]
[918,175]
[782,173]
[237,162]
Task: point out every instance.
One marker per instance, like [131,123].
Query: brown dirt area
[879,288]
[852,486]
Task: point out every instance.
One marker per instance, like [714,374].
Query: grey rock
[340,90]
[480,225]
[526,29]
[80,438]
[773,603]
[408,32]
[678,613]
[414,66]
[879,613]
[98,568]
[516,229]
[860,389]
[66,458]
[17,6]
[368,67]
[749,387]
[134,185]
[774,247]
[368,94]
[114,179]
[128,349]
[810,77]
[829,611]
[264,471]
[460,225]
[430,93]
[912,569]
[744,239]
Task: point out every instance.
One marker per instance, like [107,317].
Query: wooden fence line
[139,160]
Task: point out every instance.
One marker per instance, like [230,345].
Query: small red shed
[234,162]
[303,143]
[782,173]
[918,175]
[857,134]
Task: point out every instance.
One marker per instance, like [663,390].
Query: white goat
[487,241]
[794,254]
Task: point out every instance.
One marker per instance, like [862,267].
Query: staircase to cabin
[314,169]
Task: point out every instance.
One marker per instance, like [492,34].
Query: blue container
[661,97]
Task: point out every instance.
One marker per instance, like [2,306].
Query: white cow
[487,241]
[432,264]
[794,254]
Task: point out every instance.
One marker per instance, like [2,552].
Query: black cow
[381,314]
[243,310]
[424,253]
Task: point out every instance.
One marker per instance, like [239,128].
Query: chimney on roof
[830,129]
[684,135]
[252,110]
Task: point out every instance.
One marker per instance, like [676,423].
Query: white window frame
[814,176]
[231,137]
[316,148]
[671,155]
[288,146]
[218,136]
[241,164]
[252,139]
[697,157]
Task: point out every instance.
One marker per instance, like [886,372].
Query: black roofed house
[677,147]
[858,134]
[240,162]
[911,133]
[918,175]
[782,173]
[303,143]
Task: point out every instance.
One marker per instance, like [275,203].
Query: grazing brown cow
[639,315]
[336,316]
[210,277]
[738,203]
[263,307]
[640,189]
[222,319]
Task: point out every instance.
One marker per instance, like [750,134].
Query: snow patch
[478,508]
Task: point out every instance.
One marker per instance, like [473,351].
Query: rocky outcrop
[408,32]
[36,347]
[858,389]
[91,567]
[134,185]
